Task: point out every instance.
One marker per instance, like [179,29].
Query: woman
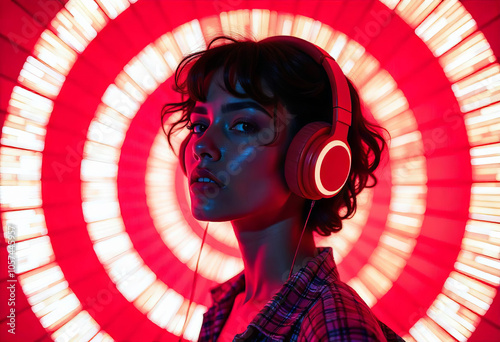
[247,105]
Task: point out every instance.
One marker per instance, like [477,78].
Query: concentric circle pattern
[97,208]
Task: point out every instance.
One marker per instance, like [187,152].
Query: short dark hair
[302,86]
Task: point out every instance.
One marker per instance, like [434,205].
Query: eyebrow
[230,107]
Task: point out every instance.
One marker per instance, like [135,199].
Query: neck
[268,247]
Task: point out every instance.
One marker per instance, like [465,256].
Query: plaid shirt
[313,305]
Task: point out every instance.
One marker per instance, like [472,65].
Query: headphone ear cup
[182,153]
[332,168]
[299,154]
[317,164]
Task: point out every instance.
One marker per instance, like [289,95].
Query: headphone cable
[193,285]
[303,230]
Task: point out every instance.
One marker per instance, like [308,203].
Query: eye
[246,127]
[242,126]
[193,126]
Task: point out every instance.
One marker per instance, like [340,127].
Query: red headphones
[318,161]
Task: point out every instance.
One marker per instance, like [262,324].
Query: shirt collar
[286,306]
[228,289]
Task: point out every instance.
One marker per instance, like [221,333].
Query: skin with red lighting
[266,216]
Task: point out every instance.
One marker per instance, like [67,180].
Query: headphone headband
[341,97]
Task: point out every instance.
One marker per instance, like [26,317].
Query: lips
[204,173]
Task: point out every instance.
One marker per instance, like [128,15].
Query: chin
[204,215]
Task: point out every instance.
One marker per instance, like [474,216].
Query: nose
[206,146]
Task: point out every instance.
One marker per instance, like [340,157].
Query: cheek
[245,156]
[188,155]
[258,167]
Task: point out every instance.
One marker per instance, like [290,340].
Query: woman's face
[227,140]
